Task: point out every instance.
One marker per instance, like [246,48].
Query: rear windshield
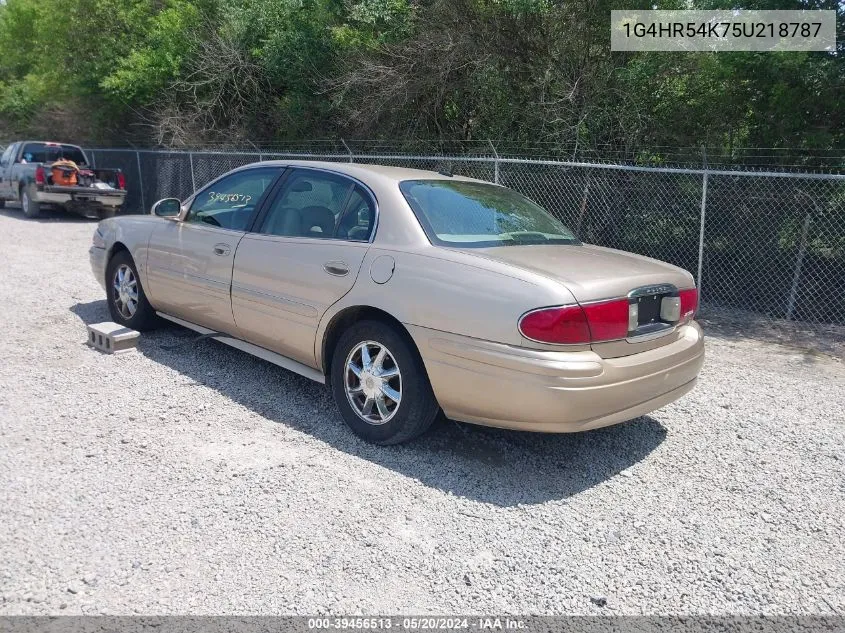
[49,153]
[476,215]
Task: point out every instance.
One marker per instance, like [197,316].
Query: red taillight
[594,322]
[566,325]
[121,180]
[689,303]
[608,320]
[39,175]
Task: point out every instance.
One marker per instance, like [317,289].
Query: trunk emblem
[660,289]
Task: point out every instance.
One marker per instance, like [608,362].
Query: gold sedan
[410,292]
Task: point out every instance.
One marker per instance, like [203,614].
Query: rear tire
[31,208]
[2,203]
[127,300]
[380,385]
[108,212]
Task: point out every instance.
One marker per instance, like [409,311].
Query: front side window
[230,202]
[476,214]
[320,205]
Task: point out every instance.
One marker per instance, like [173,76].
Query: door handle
[338,269]
[222,249]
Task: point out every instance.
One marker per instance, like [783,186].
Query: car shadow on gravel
[505,468]
[46,215]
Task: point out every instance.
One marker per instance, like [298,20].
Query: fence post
[193,178]
[793,292]
[495,162]
[701,232]
[141,183]
[347,149]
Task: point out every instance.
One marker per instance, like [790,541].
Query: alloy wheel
[125,291]
[373,382]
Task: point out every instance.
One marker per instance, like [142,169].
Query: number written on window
[238,199]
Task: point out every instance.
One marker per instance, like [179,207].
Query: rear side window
[321,205]
[50,153]
[477,214]
[7,155]
[358,217]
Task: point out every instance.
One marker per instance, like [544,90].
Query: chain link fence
[768,246]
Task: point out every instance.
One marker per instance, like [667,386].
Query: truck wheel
[108,212]
[2,203]
[31,208]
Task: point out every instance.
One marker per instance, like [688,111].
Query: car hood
[589,272]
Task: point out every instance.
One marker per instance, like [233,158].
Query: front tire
[127,301]
[31,208]
[380,385]
[108,212]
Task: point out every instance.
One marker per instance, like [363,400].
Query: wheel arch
[344,319]
[116,248]
[113,250]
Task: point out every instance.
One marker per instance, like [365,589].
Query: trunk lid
[590,272]
[594,273]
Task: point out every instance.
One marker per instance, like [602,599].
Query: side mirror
[167,208]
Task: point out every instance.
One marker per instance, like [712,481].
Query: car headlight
[98,240]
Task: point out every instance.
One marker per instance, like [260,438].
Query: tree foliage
[527,71]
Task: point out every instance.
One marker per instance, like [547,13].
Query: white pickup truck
[27,175]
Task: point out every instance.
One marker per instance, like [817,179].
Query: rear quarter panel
[448,291]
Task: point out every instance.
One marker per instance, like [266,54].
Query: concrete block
[112,338]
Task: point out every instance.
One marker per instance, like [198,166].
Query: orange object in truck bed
[64,173]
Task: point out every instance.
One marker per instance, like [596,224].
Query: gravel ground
[201,480]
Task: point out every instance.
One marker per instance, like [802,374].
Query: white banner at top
[730,30]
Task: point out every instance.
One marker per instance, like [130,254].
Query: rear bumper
[558,392]
[81,196]
[97,258]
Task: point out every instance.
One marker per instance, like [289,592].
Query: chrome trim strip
[607,300]
[654,289]
[296,239]
[200,282]
[246,293]
[652,335]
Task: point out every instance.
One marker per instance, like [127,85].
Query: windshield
[50,153]
[477,214]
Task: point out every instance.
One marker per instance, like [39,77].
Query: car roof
[366,171]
